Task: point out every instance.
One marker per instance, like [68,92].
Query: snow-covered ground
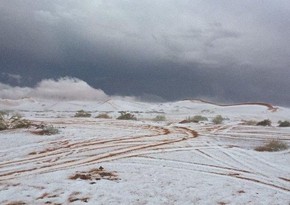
[110,161]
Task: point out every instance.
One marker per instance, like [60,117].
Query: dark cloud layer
[226,51]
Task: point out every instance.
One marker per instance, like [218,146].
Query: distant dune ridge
[70,89]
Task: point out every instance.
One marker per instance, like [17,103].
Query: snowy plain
[144,161]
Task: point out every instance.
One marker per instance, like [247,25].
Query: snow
[155,162]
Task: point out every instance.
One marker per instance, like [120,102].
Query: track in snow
[223,149]
[68,154]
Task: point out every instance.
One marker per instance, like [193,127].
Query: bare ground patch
[16,203]
[76,196]
[95,174]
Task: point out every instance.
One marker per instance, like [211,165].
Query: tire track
[82,144]
[115,154]
[233,174]
[241,157]
[200,164]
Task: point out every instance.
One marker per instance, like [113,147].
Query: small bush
[250,122]
[218,119]
[199,118]
[284,123]
[126,116]
[104,116]
[3,125]
[82,113]
[264,123]
[45,130]
[159,118]
[195,119]
[272,146]
[21,123]
[50,130]
[16,121]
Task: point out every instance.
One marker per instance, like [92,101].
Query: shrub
[16,121]
[195,119]
[82,113]
[45,130]
[159,118]
[284,123]
[50,130]
[250,122]
[272,146]
[3,125]
[198,118]
[218,119]
[264,123]
[104,116]
[21,123]
[126,116]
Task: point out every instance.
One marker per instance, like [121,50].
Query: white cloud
[9,92]
[62,89]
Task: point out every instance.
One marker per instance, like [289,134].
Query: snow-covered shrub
[159,118]
[50,130]
[45,130]
[198,118]
[82,113]
[195,119]
[3,125]
[250,122]
[126,116]
[264,123]
[284,123]
[16,121]
[272,146]
[104,116]
[218,119]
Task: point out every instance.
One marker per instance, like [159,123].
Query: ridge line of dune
[268,105]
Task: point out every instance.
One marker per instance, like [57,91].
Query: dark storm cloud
[233,51]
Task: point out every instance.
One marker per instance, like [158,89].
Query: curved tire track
[49,161]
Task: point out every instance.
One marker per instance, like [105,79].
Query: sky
[225,51]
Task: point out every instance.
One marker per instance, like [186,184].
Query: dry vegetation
[218,119]
[16,203]
[284,123]
[95,174]
[76,196]
[103,116]
[264,123]
[195,119]
[126,116]
[249,122]
[45,130]
[14,121]
[272,146]
[159,118]
[82,113]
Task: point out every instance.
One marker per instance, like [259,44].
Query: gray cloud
[235,51]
